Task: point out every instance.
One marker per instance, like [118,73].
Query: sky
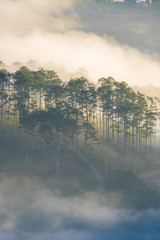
[73,39]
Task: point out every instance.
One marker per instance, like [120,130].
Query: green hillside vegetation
[77,135]
[54,116]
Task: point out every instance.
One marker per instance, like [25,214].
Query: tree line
[78,112]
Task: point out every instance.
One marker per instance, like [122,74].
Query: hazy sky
[103,40]
[135,25]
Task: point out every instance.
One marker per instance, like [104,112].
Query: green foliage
[23,77]
[58,110]
[4,78]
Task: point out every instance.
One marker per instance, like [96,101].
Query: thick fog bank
[31,210]
[50,34]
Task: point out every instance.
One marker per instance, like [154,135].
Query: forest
[53,115]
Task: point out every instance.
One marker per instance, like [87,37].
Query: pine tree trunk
[112,129]
[150,146]
[136,138]
[58,160]
[103,128]
[118,132]
[133,139]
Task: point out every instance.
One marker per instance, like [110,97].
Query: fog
[30,209]
[47,192]
[51,33]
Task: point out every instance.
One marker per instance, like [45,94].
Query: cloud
[48,31]
[24,17]
[28,205]
[31,210]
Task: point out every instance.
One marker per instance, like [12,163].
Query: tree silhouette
[78,112]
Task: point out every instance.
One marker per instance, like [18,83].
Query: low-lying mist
[48,32]
[31,210]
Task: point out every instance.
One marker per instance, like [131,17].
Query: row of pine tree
[78,112]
